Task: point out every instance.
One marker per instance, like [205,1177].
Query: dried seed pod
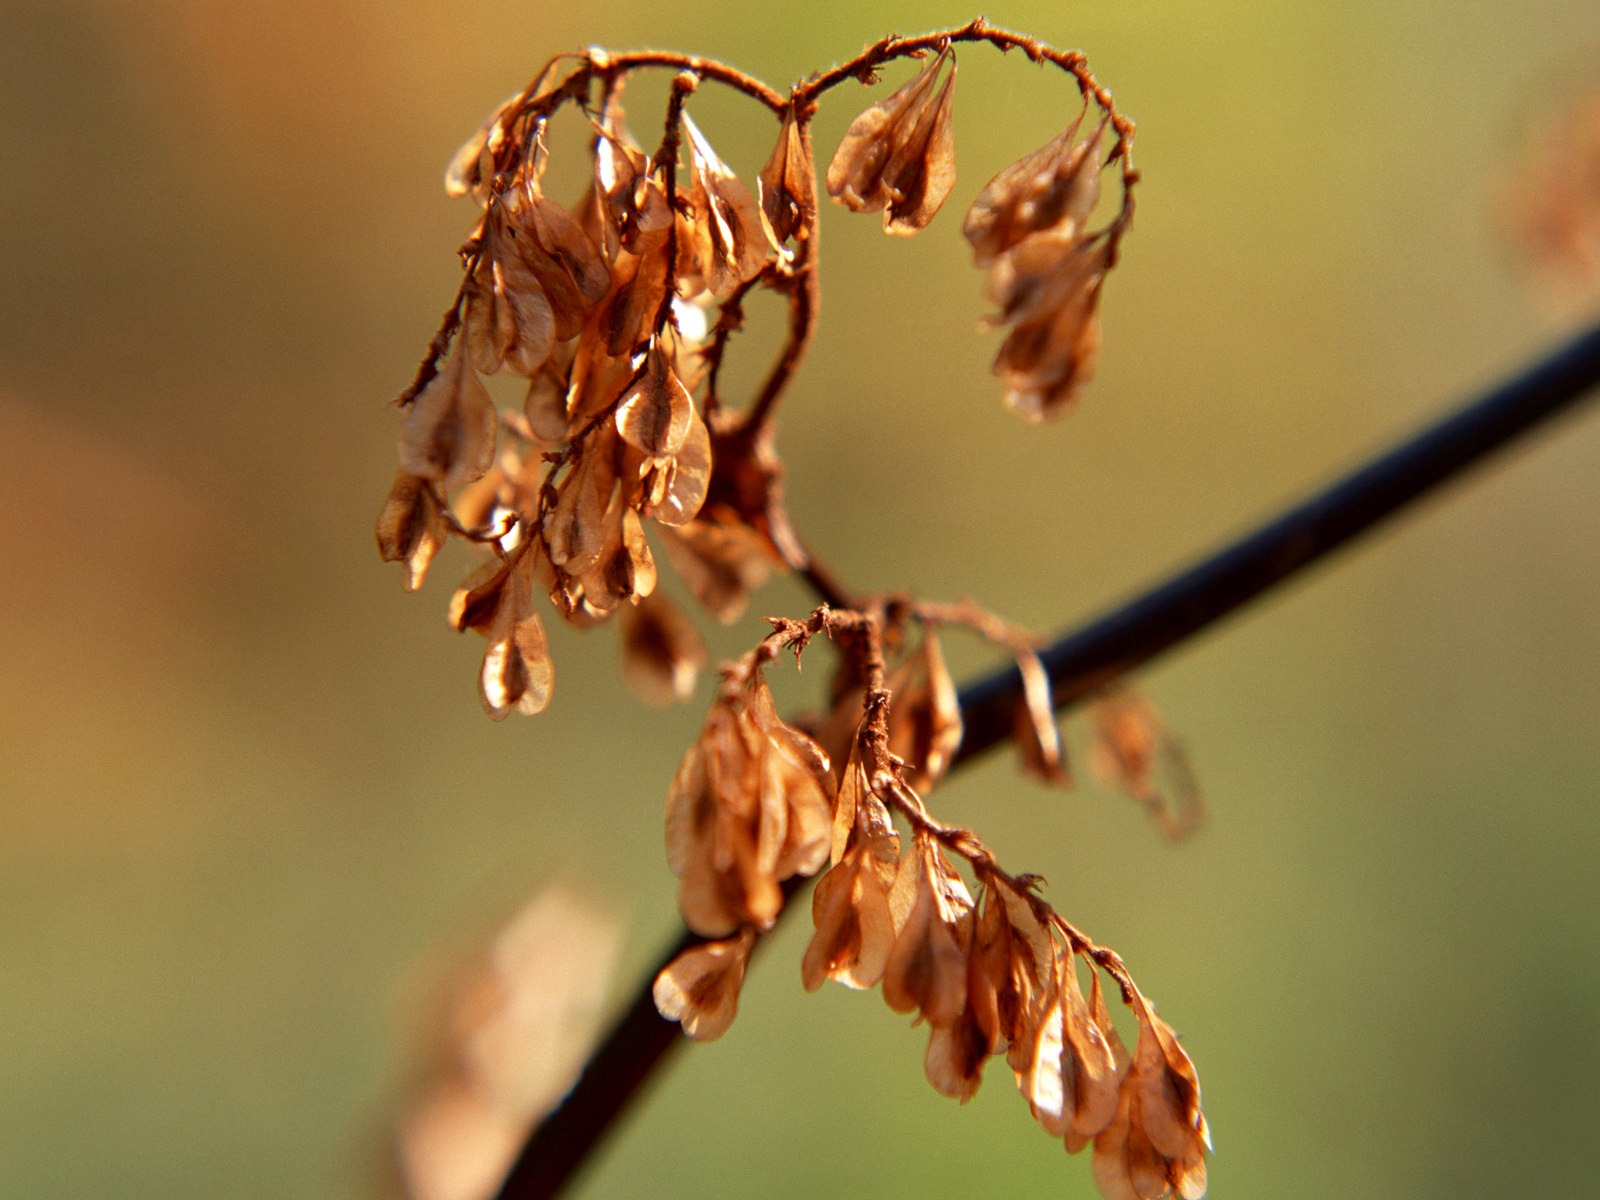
[509,319]
[684,479]
[472,165]
[1049,288]
[700,988]
[925,719]
[630,201]
[1158,1140]
[449,434]
[722,563]
[850,907]
[899,155]
[1054,188]
[575,526]
[787,185]
[927,967]
[411,527]
[745,811]
[726,224]
[655,412]
[629,320]
[497,601]
[662,652]
[1038,739]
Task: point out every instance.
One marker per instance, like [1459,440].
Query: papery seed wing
[570,248]
[954,1059]
[655,412]
[788,189]
[477,601]
[1009,206]
[1038,739]
[721,564]
[662,651]
[689,479]
[700,988]
[411,527]
[922,184]
[449,432]
[629,319]
[855,173]
[517,670]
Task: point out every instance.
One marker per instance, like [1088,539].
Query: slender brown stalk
[1089,659]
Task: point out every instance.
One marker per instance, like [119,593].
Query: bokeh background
[249,795]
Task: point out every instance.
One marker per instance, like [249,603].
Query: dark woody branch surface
[1095,655]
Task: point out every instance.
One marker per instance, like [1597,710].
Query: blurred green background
[247,787]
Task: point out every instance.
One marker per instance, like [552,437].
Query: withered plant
[618,311]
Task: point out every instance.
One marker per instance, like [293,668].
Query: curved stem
[1085,661]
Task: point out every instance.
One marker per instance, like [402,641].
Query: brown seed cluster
[614,315]
[991,972]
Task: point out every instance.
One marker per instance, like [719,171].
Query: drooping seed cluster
[755,803]
[617,313]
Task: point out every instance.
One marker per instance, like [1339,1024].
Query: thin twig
[1083,662]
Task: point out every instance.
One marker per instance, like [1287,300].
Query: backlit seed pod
[449,433]
[1038,739]
[655,412]
[411,527]
[630,200]
[899,155]
[726,224]
[925,721]
[787,185]
[1054,188]
[927,968]
[700,988]
[662,652]
[1156,1145]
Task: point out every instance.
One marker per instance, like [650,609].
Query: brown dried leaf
[656,412]
[411,527]
[449,432]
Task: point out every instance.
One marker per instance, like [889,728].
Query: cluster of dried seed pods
[617,313]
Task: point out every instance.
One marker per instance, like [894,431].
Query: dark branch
[1087,660]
